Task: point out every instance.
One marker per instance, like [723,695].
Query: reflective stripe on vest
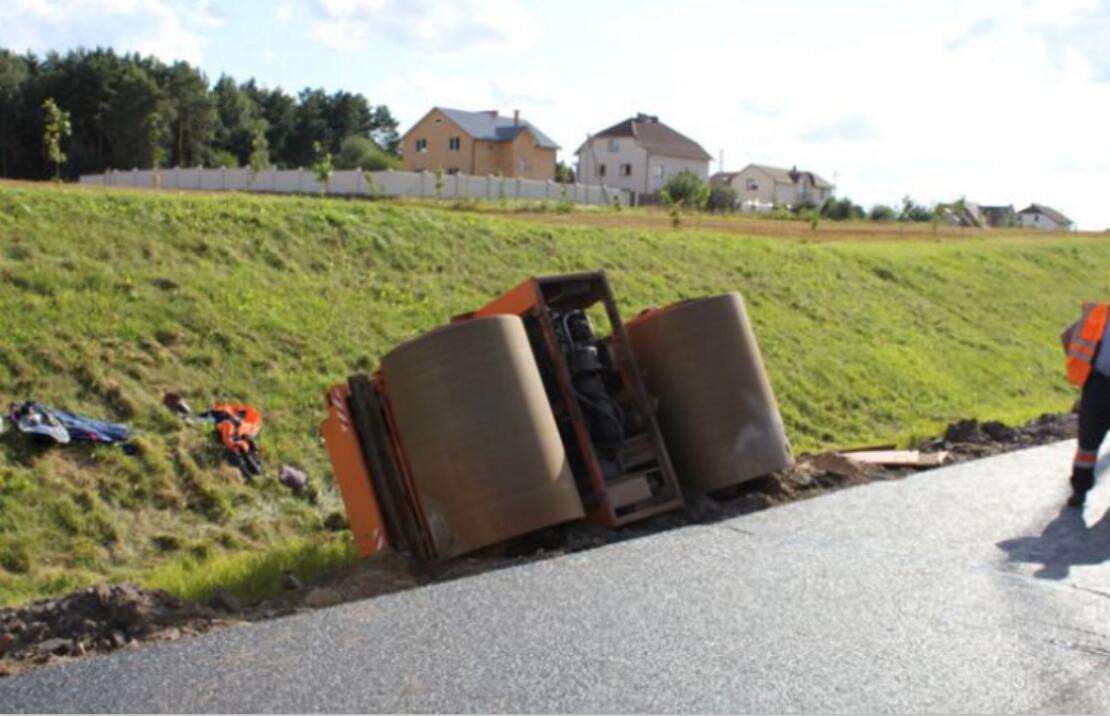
[1085,340]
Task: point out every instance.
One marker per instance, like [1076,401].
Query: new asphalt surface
[964,589]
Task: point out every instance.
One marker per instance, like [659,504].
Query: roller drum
[717,411]
[477,431]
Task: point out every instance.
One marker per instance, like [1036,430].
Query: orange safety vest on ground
[1084,341]
[237,425]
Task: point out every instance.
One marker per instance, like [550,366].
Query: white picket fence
[353,182]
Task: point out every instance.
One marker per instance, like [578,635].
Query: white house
[1045,218]
[638,155]
[758,184]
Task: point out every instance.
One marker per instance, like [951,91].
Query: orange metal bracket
[352,475]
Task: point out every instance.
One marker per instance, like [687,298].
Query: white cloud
[153,27]
[427,25]
[284,11]
[1080,39]
[849,128]
[976,30]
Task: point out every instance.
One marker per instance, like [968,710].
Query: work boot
[1082,480]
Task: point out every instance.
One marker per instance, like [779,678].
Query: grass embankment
[110,298]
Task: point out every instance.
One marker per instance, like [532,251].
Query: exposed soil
[765,226]
[98,619]
[107,618]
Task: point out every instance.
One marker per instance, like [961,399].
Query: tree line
[126,110]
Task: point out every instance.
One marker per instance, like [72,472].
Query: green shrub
[841,209]
[721,199]
[882,212]
[685,190]
[222,158]
[361,153]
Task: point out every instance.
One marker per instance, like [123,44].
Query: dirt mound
[98,619]
[969,439]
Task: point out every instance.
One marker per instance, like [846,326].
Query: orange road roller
[542,408]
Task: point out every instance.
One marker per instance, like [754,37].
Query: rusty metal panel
[481,444]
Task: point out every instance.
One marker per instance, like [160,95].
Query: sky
[999,101]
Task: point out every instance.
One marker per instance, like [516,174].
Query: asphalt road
[966,589]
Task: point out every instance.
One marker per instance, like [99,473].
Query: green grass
[111,298]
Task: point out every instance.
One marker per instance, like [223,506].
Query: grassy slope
[111,298]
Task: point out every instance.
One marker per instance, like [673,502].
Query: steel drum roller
[717,412]
[474,422]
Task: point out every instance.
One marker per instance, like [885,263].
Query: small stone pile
[97,619]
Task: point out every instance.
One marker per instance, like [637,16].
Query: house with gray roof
[639,154]
[762,185]
[457,141]
[1045,218]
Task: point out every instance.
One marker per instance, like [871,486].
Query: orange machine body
[352,475]
[373,473]
[532,300]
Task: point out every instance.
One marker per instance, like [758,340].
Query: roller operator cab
[532,411]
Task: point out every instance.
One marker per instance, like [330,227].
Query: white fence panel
[355,182]
[346,182]
[237,179]
[288,182]
[216,179]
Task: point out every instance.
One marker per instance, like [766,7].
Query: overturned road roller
[541,408]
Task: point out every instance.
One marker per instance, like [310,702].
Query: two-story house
[758,184]
[460,142]
[638,155]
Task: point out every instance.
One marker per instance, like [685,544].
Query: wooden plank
[898,458]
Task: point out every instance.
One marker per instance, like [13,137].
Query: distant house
[456,141]
[999,216]
[758,184]
[638,155]
[1039,216]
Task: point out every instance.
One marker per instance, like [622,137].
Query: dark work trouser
[1094,421]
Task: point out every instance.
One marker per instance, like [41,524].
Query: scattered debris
[293,478]
[97,619]
[63,428]
[237,425]
[177,404]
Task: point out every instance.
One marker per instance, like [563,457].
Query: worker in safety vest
[1089,367]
